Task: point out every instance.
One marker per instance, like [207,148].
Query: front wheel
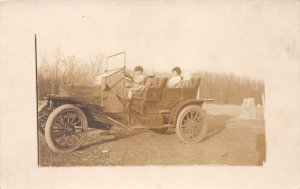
[66,128]
[191,124]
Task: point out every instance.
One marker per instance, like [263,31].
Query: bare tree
[96,65]
[224,88]
[58,59]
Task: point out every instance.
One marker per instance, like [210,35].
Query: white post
[198,93]
[263,103]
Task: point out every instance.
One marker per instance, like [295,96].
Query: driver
[137,81]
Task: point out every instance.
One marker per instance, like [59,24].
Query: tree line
[225,88]
[229,88]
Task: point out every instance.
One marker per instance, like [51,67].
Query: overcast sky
[219,36]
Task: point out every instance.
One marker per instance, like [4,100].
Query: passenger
[186,80]
[175,79]
[150,82]
[138,81]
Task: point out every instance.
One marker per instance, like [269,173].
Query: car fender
[58,101]
[67,100]
[179,106]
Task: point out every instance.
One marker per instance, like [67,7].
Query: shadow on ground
[216,124]
[116,136]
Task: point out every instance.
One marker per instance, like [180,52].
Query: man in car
[137,83]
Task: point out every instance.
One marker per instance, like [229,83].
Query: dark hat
[177,69]
[139,68]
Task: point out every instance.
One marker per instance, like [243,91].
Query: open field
[229,141]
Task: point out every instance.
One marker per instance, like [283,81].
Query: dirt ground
[229,141]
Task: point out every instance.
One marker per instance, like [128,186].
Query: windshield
[116,61]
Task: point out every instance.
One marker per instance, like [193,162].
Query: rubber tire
[40,109]
[181,115]
[50,121]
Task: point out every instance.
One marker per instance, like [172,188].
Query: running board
[119,123]
[138,126]
[147,127]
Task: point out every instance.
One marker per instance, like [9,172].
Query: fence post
[263,103]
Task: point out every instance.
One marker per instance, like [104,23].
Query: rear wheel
[43,114]
[191,124]
[66,128]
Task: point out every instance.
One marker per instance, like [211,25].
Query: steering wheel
[127,75]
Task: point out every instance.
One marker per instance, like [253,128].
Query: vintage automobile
[64,119]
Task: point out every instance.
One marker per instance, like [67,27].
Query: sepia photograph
[101,112]
[171,93]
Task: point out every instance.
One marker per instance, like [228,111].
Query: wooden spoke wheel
[66,128]
[43,114]
[191,124]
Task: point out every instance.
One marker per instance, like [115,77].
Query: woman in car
[176,78]
[186,80]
